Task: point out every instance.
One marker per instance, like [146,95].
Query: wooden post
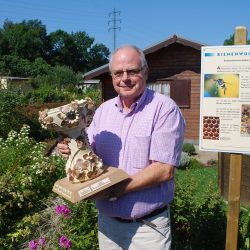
[233,201]
[240,35]
[240,38]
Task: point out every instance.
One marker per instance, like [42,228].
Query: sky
[139,22]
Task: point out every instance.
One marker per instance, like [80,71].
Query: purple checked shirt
[152,131]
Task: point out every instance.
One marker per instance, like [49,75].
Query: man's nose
[125,75]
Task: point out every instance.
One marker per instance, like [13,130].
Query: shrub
[60,222]
[197,223]
[195,164]
[10,116]
[184,161]
[244,229]
[188,148]
[26,177]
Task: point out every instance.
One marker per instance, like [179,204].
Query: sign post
[225,114]
[240,38]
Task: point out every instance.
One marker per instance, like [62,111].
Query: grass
[206,178]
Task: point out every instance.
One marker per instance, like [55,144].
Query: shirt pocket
[139,151]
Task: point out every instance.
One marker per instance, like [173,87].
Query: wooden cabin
[174,70]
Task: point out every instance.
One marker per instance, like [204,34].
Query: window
[162,88]
[178,90]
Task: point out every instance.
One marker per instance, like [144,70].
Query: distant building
[87,83]
[11,81]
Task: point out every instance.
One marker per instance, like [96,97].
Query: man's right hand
[64,149]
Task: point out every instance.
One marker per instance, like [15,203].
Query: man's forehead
[126,56]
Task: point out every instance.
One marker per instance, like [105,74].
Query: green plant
[198,218]
[184,161]
[76,222]
[244,229]
[195,164]
[10,116]
[188,148]
[26,177]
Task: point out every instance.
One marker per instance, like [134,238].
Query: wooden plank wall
[192,114]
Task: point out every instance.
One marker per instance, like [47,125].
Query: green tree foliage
[76,50]
[61,77]
[230,41]
[27,50]
[63,49]
[25,40]
[16,66]
[98,55]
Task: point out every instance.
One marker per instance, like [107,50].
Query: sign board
[225,99]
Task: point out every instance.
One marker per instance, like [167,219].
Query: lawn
[206,179]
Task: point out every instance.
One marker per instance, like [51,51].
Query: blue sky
[143,22]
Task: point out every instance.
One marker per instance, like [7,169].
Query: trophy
[70,121]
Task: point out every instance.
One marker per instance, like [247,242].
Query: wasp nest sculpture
[70,121]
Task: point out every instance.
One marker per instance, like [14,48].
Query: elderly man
[140,132]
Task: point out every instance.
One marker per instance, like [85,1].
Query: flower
[64,242]
[33,244]
[64,210]
[42,241]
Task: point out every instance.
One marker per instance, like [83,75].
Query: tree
[230,41]
[83,43]
[26,49]
[77,50]
[12,65]
[98,55]
[26,40]
[63,49]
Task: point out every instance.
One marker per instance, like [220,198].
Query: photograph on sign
[225,99]
[221,85]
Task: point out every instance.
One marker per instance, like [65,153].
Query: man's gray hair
[144,63]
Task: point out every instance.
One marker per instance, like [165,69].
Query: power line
[114,22]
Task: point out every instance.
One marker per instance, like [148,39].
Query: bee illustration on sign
[221,85]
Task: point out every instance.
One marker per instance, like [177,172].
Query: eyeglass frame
[130,73]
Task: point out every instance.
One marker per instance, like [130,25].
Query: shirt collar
[135,105]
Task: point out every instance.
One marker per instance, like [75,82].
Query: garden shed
[174,70]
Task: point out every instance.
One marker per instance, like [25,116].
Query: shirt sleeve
[168,136]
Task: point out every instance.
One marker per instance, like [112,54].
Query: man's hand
[63,148]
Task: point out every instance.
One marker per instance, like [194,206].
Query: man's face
[129,78]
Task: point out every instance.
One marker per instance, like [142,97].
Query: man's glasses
[130,73]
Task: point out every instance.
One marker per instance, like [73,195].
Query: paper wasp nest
[71,121]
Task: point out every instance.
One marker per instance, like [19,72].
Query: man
[142,133]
